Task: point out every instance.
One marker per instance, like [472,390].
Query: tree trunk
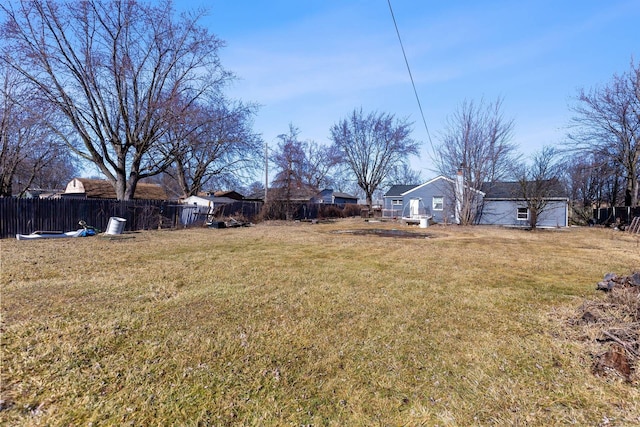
[533,219]
[120,185]
[628,195]
[369,200]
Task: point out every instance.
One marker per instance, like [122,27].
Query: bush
[330,211]
[272,211]
[351,209]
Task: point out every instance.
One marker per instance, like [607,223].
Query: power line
[409,70]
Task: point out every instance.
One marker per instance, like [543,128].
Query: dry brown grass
[610,328]
[295,324]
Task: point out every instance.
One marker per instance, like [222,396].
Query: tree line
[138,92]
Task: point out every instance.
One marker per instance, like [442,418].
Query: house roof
[431,181]
[513,189]
[491,190]
[337,194]
[403,190]
[344,195]
[103,189]
[399,190]
[296,194]
[259,195]
[230,194]
[207,199]
[42,193]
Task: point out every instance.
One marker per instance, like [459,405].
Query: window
[396,202]
[523,214]
[438,203]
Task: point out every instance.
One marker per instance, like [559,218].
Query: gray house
[433,199]
[334,197]
[500,203]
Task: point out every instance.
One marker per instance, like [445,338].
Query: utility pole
[266,171]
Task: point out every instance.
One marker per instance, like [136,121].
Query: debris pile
[612,324]
[612,280]
[231,223]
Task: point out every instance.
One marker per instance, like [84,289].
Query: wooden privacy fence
[244,209]
[281,210]
[24,216]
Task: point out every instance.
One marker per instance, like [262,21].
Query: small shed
[198,208]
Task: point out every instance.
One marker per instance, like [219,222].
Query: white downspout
[459,196]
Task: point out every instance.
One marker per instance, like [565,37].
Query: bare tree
[289,159]
[371,145]
[319,164]
[607,124]
[30,154]
[402,174]
[49,166]
[120,72]
[303,164]
[593,181]
[477,143]
[214,142]
[539,183]
[255,188]
[342,181]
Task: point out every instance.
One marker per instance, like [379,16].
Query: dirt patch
[611,327]
[381,232]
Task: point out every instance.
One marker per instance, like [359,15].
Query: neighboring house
[504,204]
[255,197]
[103,189]
[334,197]
[498,204]
[197,208]
[301,194]
[295,195]
[39,193]
[230,194]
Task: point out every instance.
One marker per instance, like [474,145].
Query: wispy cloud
[310,62]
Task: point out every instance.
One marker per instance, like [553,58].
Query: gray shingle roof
[513,189]
[398,190]
[344,195]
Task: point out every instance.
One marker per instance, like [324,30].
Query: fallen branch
[622,343]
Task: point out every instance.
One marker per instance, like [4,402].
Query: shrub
[330,211]
[351,209]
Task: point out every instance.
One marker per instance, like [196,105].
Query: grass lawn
[299,324]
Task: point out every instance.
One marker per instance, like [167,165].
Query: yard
[300,324]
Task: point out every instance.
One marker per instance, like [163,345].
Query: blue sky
[311,62]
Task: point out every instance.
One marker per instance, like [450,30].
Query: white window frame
[522,214]
[435,201]
[396,202]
